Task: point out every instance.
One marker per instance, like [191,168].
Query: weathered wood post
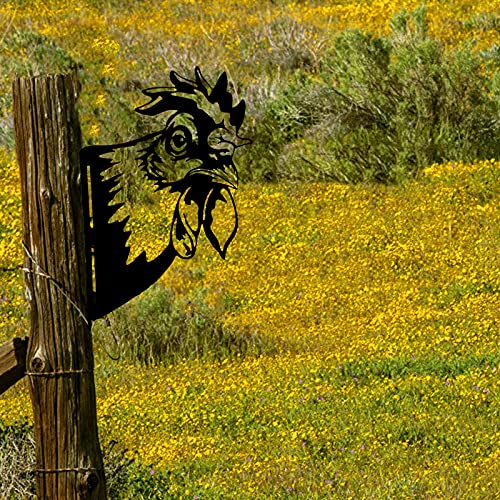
[59,362]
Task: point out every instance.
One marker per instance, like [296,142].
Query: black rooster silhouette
[192,157]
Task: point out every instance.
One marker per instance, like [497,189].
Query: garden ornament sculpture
[192,157]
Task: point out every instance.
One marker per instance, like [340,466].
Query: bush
[384,108]
[158,328]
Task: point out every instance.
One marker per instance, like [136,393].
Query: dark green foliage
[384,108]
[156,327]
[45,56]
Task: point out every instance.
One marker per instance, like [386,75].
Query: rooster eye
[178,141]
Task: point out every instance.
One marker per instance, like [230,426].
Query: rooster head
[193,154]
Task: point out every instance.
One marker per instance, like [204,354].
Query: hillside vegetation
[348,347]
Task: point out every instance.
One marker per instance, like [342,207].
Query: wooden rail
[12,362]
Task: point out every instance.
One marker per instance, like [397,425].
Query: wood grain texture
[60,359]
[12,362]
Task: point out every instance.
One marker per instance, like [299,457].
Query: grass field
[348,347]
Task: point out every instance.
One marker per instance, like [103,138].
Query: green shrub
[384,108]
[156,327]
[45,56]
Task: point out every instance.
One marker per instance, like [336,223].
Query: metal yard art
[78,262]
[192,157]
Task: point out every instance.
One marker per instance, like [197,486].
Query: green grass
[159,328]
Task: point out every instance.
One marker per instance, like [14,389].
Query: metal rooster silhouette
[192,157]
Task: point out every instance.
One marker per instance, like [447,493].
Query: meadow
[348,346]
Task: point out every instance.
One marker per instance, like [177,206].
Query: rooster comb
[169,98]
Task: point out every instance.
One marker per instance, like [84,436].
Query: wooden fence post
[59,363]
